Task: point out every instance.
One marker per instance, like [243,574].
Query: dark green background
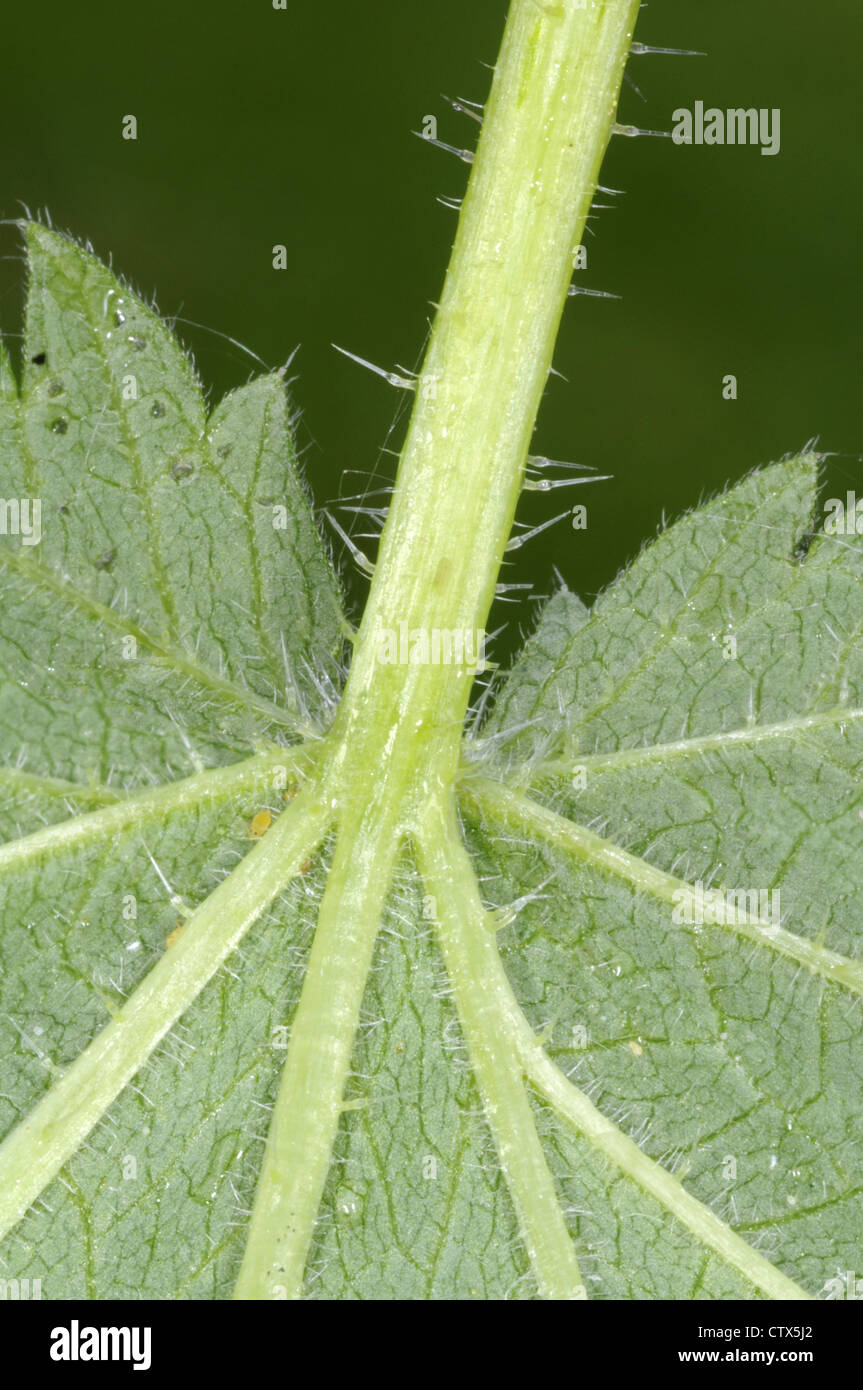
[258,126]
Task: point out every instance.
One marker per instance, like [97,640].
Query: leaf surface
[687,1095]
[161,596]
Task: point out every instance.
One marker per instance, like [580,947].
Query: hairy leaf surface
[169,656]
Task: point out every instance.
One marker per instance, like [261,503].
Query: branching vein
[36,1150]
[510,808]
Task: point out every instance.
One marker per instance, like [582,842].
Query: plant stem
[482,997]
[546,127]
[397,737]
[306,1114]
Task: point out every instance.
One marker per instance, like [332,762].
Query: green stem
[545,131]
[37,1148]
[470,952]
[546,127]
[310,1099]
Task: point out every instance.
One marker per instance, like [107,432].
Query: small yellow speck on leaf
[174,936]
[260,824]
[636,1049]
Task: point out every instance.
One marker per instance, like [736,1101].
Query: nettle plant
[306,993]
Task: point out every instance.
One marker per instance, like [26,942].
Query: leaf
[415,1207]
[236,624]
[742,772]
[157,527]
[555,1087]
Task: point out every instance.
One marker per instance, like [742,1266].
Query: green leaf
[415,1207]
[237,631]
[517,1074]
[686,759]
[161,593]
[651,664]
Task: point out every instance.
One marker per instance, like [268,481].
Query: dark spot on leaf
[39,358]
[157,408]
[224,450]
[802,548]
[63,510]
[138,343]
[182,468]
[55,387]
[119,317]
[105,560]
[60,425]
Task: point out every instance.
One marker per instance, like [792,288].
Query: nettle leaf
[161,626]
[179,586]
[610,1040]
[704,726]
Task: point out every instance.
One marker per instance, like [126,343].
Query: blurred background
[259,126]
